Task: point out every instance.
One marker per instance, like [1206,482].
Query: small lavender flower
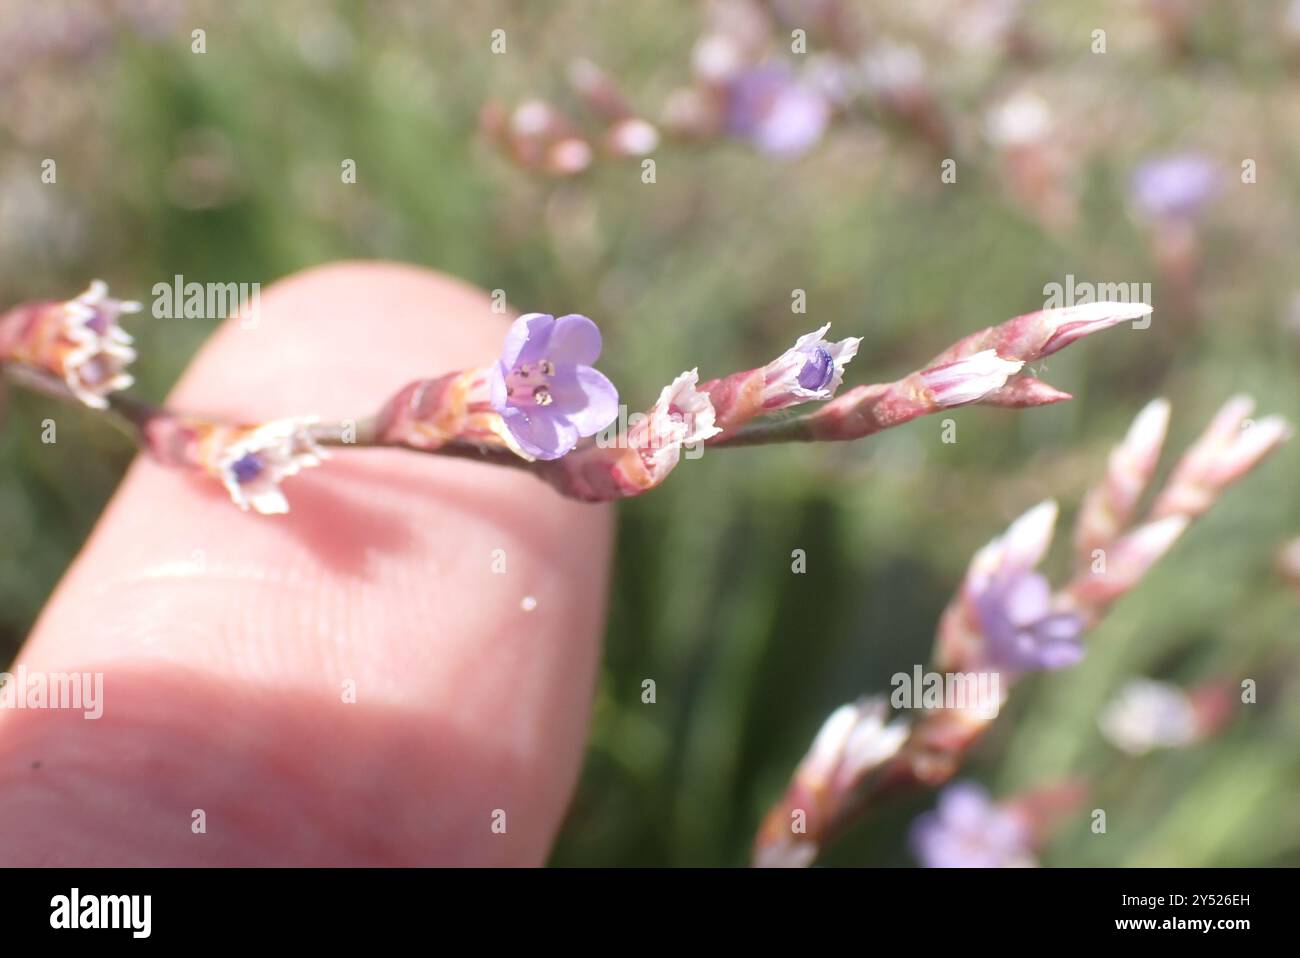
[1022,631]
[1176,186]
[1013,603]
[769,107]
[968,831]
[812,369]
[544,386]
[252,464]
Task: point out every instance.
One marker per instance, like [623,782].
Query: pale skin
[230,643]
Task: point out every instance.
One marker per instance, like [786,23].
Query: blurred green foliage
[225,167]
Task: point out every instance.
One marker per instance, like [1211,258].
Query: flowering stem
[765,432]
[132,417]
[127,414]
[509,413]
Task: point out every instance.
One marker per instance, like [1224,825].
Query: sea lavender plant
[1006,618]
[540,406]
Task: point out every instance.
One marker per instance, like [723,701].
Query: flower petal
[585,397]
[527,339]
[1027,599]
[498,397]
[540,433]
[575,339]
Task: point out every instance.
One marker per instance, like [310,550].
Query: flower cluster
[1007,618]
[780,75]
[540,136]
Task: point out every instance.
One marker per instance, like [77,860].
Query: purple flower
[1022,631]
[969,831]
[770,108]
[817,371]
[1176,186]
[544,387]
[811,369]
[1013,603]
[252,461]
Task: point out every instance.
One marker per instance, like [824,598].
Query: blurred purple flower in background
[1175,186]
[1023,633]
[769,107]
[544,386]
[1013,603]
[967,830]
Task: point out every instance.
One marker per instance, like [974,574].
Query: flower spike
[850,745]
[1005,617]
[539,405]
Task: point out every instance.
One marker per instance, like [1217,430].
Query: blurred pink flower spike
[1127,560]
[1230,447]
[597,90]
[1109,507]
[1111,561]
[853,742]
[626,134]
[78,341]
[537,136]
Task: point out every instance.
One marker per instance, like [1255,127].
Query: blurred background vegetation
[225,167]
